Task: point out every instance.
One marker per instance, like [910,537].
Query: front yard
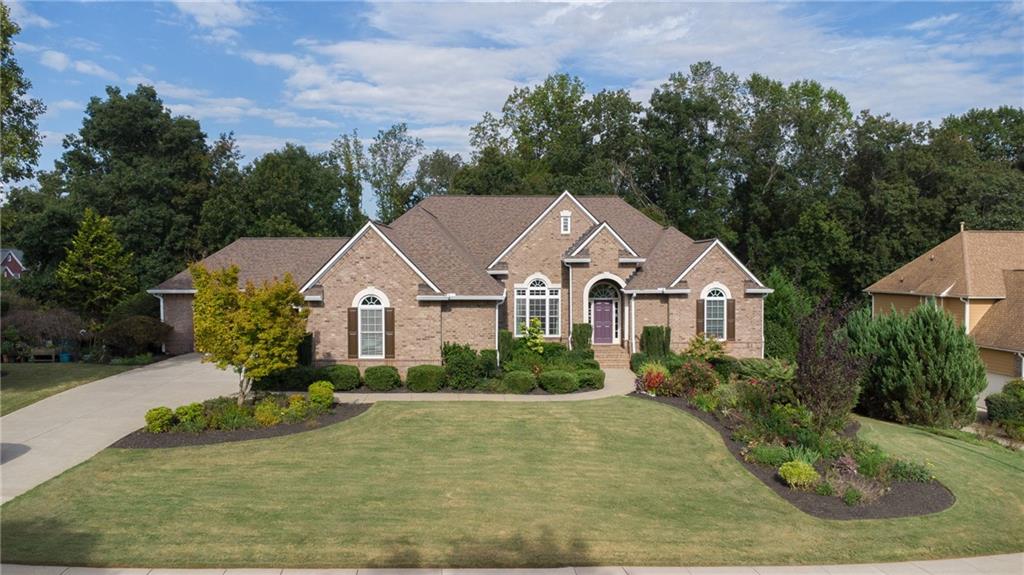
[614,481]
[26,383]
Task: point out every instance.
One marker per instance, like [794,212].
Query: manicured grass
[615,481]
[26,383]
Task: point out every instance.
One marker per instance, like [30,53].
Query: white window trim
[565,222]
[384,304]
[725,307]
[528,298]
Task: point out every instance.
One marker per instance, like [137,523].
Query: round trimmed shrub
[268,412]
[425,378]
[799,474]
[768,454]
[488,362]
[298,409]
[382,378]
[693,377]
[343,377]
[191,417]
[159,420]
[321,394]
[590,378]
[461,366]
[558,381]
[518,382]
[589,364]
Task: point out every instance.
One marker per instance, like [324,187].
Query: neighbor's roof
[969,264]
[1001,327]
[264,259]
[17,253]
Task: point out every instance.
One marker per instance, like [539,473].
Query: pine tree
[96,274]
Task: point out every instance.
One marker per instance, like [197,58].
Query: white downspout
[1020,356]
[163,346]
[497,332]
[632,324]
[570,304]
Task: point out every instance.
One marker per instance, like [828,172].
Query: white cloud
[26,18]
[60,62]
[932,22]
[255,145]
[219,20]
[93,69]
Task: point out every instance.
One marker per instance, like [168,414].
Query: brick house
[11,262]
[461,268]
[978,278]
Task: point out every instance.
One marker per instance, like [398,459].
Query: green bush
[423,378]
[582,333]
[784,308]
[587,364]
[652,377]
[590,378]
[655,340]
[191,418]
[704,348]
[134,335]
[298,409]
[773,455]
[321,394]
[382,378]
[159,420]
[557,381]
[693,377]
[776,371]
[488,362]
[141,359]
[798,474]
[923,369]
[706,402]
[227,415]
[343,377]
[636,360]
[801,453]
[140,303]
[296,378]
[674,361]
[506,344]
[725,367]
[785,421]
[518,382]
[900,470]
[825,488]
[461,366]
[870,460]
[268,412]
[1006,408]
[727,396]
[852,496]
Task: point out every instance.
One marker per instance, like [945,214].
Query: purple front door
[603,331]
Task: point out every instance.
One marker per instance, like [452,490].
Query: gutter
[657,291]
[155,291]
[457,297]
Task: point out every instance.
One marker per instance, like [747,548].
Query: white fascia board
[543,214]
[759,290]
[498,272]
[576,260]
[348,245]
[890,292]
[632,260]
[593,235]
[657,291]
[457,297]
[313,298]
[156,291]
[728,253]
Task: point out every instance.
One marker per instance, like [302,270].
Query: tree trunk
[243,387]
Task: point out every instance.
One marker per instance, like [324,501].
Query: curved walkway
[986,565]
[42,440]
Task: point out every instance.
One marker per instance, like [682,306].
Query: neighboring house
[11,262]
[976,276]
[461,268]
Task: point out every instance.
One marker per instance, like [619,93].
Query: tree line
[785,174]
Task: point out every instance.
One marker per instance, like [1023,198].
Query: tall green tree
[97,272]
[391,154]
[784,309]
[348,153]
[19,128]
[436,173]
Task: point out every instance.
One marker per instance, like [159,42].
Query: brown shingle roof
[263,259]
[969,264]
[1001,327]
[672,253]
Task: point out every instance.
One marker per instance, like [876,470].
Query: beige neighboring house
[978,277]
[461,268]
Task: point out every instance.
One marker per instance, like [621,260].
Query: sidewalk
[987,565]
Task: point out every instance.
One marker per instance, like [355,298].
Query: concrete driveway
[41,440]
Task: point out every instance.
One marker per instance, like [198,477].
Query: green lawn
[26,383]
[614,481]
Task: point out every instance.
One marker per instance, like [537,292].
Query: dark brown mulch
[904,499]
[142,439]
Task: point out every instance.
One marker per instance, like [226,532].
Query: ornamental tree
[96,273]
[256,330]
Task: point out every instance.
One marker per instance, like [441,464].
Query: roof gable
[540,218]
[593,233]
[711,247]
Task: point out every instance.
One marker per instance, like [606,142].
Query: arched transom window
[714,313]
[371,327]
[538,300]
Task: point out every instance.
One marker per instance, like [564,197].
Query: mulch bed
[142,439]
[904,499]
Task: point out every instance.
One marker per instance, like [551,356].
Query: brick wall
[178,314]
[604,258]
[469,322]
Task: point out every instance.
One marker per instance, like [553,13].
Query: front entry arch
[604,312]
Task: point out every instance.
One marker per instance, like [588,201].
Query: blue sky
[307,71]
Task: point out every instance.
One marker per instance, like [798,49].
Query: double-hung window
[371,328]
[538,300]
[714,314]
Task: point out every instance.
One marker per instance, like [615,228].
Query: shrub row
[1006,408]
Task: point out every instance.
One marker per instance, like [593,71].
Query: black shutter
[353,332]
[700,316]
[389,332]
[730,322]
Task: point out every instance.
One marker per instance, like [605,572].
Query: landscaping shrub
[673,361]
[695,376]
[506,344]
[828,372]
[191,418]
[558,381]
[382,378]
[801,453]
[870,460]
[727,396]
[518,382]
[268,412]
[582,355]
[141,359]
[705,402]
[533,336]
[1006,408]
[785,420]
[298,409]
[461,366]
[900,470]
[655,340]
[425,378]
[845,465]
[296,378]
[134,335]
[343,377]
[488,362]
[923,369]
[798,474]
[651,377]
[587,364]
[321,394]
[705,348]
[825,488]
[159,420]
[725,367]
[773,455]
[783,310]
[590,378]
[775,371]
[637,360]
[582,334]
[228,415]
[140,303]
[852,496]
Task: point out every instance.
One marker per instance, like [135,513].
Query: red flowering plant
[651,378]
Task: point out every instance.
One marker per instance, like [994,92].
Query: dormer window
[566,222]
